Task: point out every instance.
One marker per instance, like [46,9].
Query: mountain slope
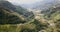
[14,8]
[7,5]
[7,16]
[24,11]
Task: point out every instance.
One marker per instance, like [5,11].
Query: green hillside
[9,17]
[21,20]
[54,19]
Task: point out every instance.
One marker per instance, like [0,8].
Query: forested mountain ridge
[15,8]
[8,16]
[8,12]
[7,5]
[21,20]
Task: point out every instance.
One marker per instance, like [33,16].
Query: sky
[24,1]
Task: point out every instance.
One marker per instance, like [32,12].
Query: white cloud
[24,1]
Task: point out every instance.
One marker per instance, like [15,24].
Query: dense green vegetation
[9,17]
[15,21]
[53,17]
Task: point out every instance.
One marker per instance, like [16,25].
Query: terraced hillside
[12,21]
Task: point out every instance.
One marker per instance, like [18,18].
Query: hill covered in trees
[17,19]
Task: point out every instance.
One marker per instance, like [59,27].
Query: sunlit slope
[53,19]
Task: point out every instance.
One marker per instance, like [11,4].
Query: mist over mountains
[39,3]
[45,4]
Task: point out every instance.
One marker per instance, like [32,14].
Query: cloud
[23,1]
